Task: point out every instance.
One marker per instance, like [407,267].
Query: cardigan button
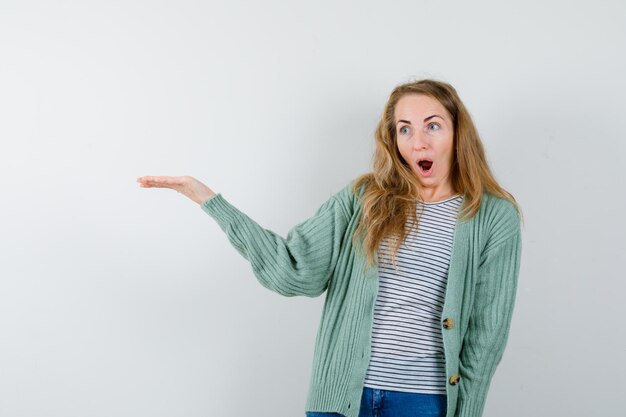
[454,379]
[448,323]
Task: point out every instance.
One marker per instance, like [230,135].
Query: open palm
[186,185]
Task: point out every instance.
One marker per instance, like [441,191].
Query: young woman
[419,260]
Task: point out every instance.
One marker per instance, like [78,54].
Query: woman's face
[424,131]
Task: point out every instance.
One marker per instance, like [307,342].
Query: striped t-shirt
[407,345]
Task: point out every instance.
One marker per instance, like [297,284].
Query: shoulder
[499,210]
[348,197]
[500,219]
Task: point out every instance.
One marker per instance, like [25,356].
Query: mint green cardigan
[317,256]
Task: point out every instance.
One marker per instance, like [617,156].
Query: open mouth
[425,165]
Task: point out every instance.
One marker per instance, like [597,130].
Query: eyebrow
[426,119]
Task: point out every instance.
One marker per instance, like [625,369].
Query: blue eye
[402,131]
[434,124]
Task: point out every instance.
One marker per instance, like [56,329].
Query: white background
[121,301]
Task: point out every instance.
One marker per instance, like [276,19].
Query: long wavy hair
[392,197]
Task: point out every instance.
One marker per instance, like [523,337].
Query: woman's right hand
[186,185]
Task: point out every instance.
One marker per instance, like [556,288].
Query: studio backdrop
[117,300]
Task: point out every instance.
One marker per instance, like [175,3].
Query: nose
[420,141]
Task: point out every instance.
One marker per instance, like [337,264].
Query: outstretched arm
[300,264]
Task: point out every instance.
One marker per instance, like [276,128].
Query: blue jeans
[384,403]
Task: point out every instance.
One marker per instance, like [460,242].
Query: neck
[439,193]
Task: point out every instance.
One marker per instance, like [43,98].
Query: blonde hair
[392,194]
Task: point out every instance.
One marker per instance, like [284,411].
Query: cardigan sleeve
[490,320]
[301,263]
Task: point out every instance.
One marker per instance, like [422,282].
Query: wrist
[206,197]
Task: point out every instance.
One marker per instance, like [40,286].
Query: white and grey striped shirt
[407,346]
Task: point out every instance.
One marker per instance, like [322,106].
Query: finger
[167,180]
[146,179]
[152,180]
